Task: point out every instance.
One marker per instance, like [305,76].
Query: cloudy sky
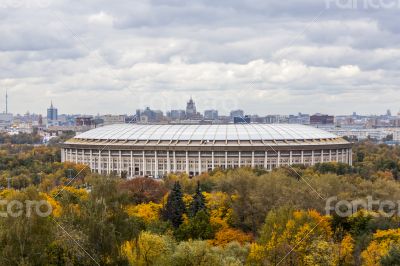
[263,56]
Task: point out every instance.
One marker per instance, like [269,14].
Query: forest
[233,217]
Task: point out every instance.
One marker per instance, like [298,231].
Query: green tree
[198,227]
[24,238]
[198,203]
[175,207]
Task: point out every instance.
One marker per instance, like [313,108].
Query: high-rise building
[211,114]
[52,113]
[149,116]
[176,114]
[191,109]
[236,113]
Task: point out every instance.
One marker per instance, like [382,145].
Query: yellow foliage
[187,199]
[7,193]
[80,193]
[302,234]
[228,235]
[323,254]
[56,207]
[256,254]
[185,218]
[149,249]
[218,207]
[380,246]
[149,212]
[346,250]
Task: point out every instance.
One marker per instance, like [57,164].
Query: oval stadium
[132,150]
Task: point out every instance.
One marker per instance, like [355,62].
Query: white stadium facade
[133,150]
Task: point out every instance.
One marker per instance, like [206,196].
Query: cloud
[261,56]
[101,19]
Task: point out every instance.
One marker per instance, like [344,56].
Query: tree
[144,190]
[149,212]
[198,203]
[175,207]
[24,238]
[198,227]
[104,221]
[227,235]
[219,209]
[392,258]
[149,249]
[346,250]
[379,248]
[196,253]
[293,238]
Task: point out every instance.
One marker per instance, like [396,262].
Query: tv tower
[6,101]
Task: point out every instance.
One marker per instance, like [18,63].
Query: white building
[6,121]
[156,150]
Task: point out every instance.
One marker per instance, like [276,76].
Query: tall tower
[190,109]
[52,114]
[6,101]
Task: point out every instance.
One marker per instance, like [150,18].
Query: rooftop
[229,132]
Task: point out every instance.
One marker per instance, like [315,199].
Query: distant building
[84,121]
[241,120]
[52,115]
[396,136]
[211,114]
[149,116]
[6,121]
[236,113]
[113,119]
[191,111]
[277,119]
[176,114]
[303,119]
[321,119]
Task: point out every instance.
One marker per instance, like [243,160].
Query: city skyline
[200,111]
[181,107]
[271,58]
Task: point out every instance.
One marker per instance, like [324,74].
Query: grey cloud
[118,56]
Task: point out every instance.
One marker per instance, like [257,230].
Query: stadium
[132,150]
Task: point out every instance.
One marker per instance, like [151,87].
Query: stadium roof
[205,133]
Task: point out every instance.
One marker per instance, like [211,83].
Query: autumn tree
[294,238]
[379,248]
[149,249]
[392,257]
[24,238]
[144,190]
